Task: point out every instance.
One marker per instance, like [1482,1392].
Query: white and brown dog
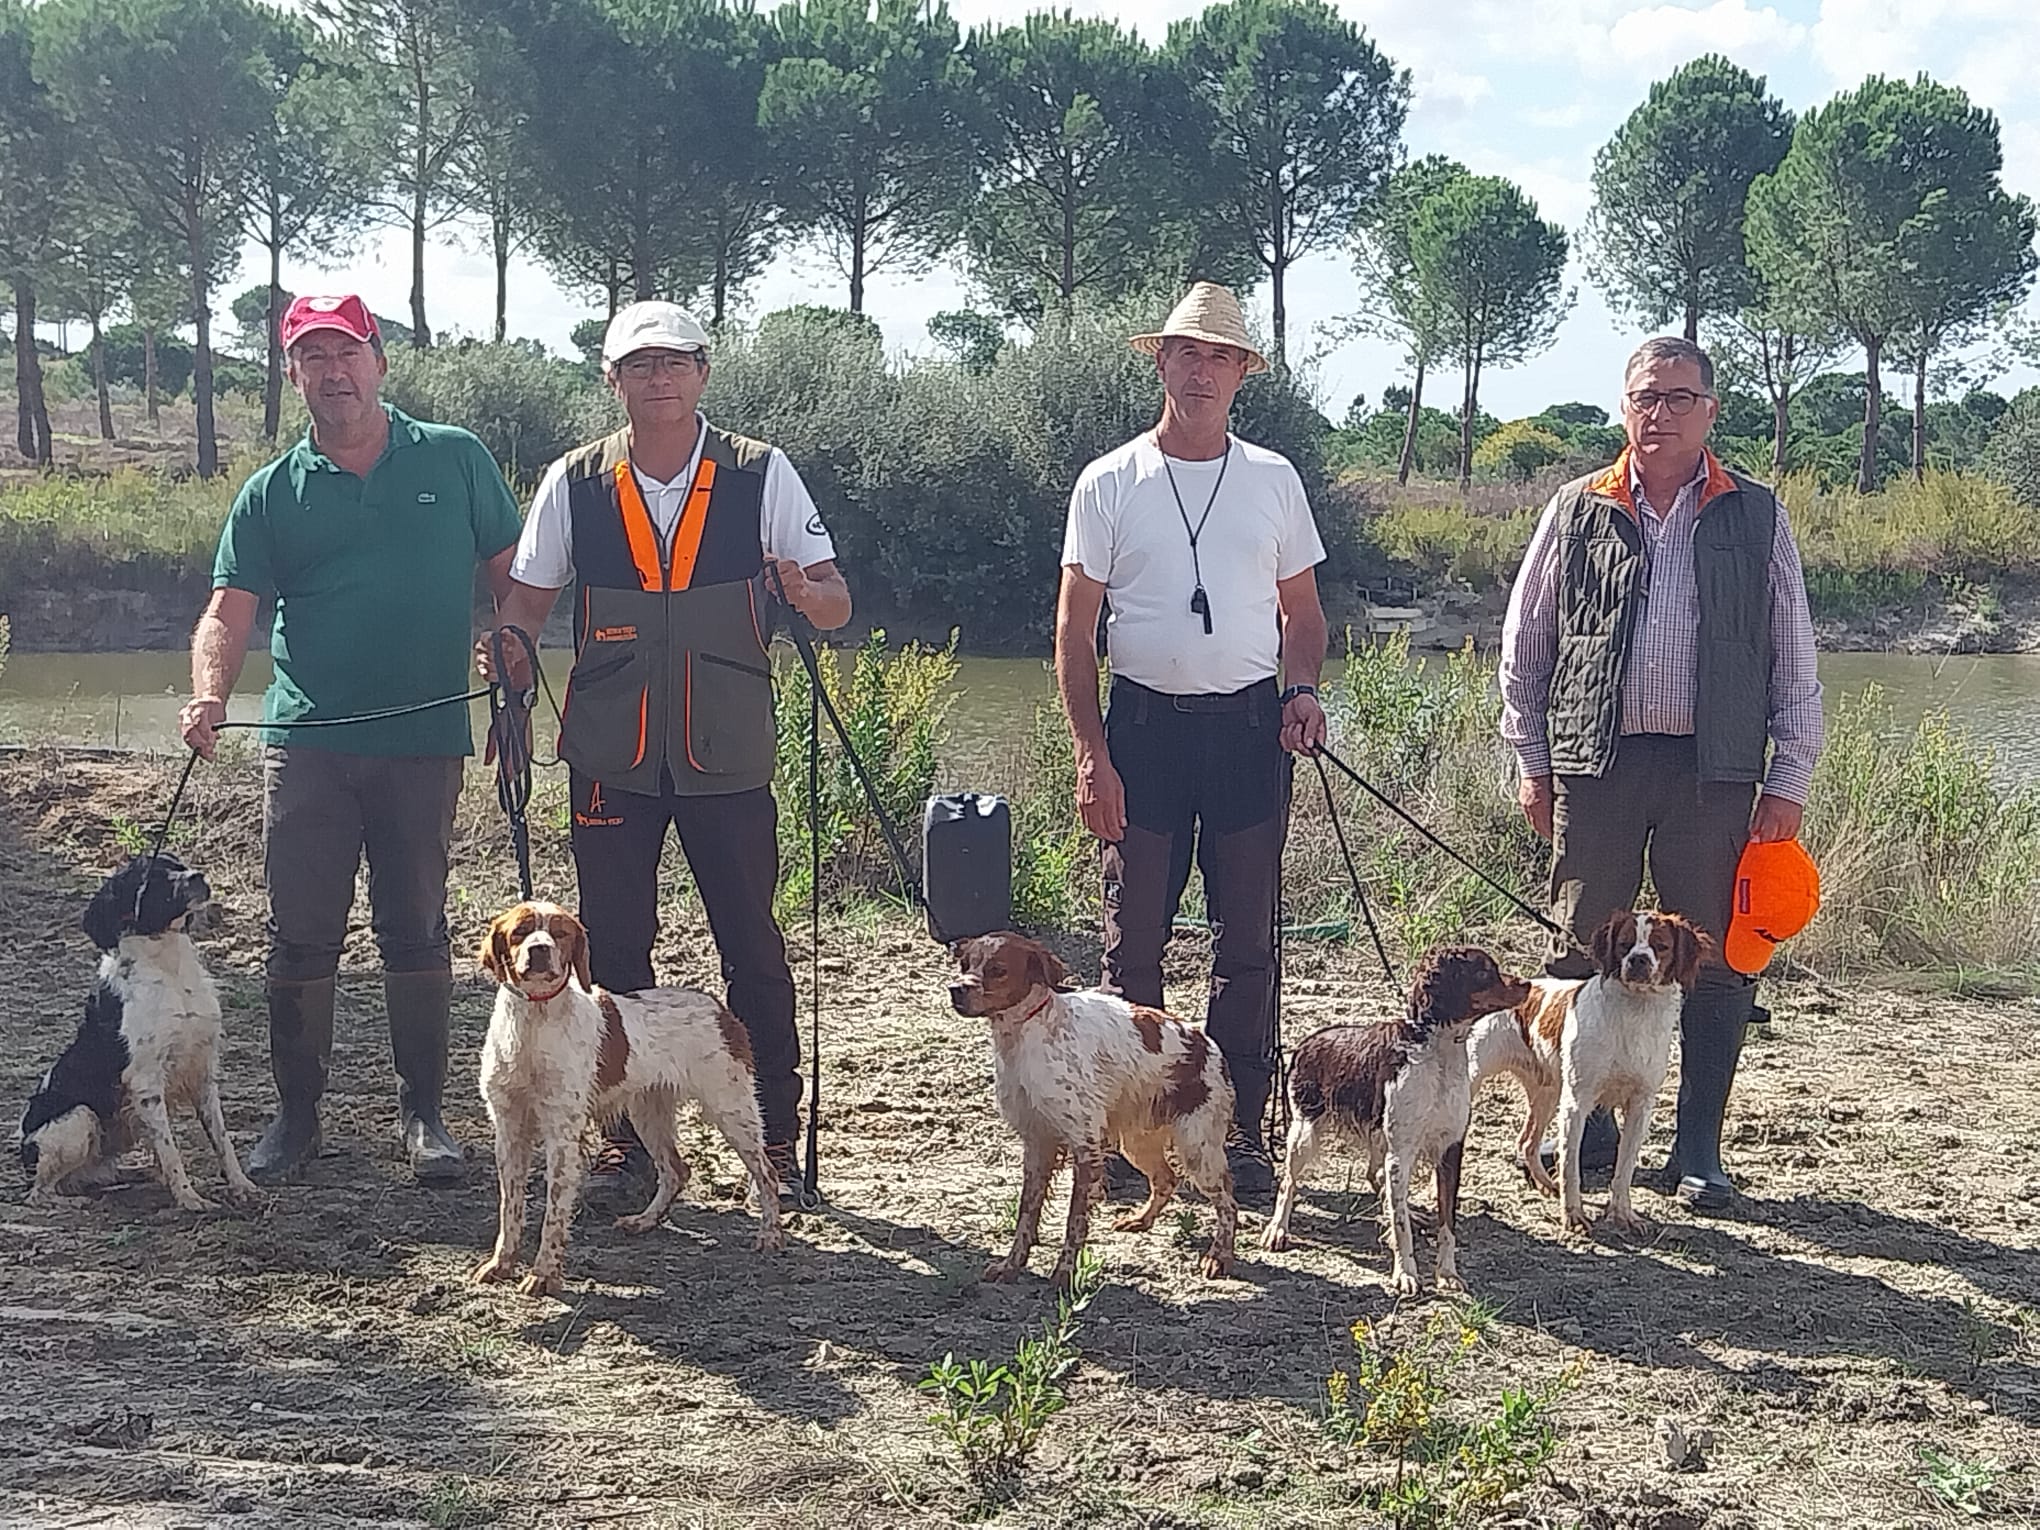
[149,1044]
[1605,1040]
[1077,1074]
[562,1053]
[1400,1090]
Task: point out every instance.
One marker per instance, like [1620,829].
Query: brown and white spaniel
[561,1053]
[1605,1040]
[1077,1074]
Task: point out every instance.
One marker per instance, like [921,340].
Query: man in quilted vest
[1660,691]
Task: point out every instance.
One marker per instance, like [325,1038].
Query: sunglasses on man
[1680,401]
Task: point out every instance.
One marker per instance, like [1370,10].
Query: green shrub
[128,529]
[1519,449]
[1434,544]
[2013,455]
[527,407]
[1950,523]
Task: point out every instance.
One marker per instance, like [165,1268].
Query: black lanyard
[1200,603]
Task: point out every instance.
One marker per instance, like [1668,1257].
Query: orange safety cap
[1777,893]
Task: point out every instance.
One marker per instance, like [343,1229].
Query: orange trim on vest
[687,712]
[1613,482]
[638,527]
[693,521]
[644,702]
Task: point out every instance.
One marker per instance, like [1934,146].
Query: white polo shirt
[789,524]
[1126,532]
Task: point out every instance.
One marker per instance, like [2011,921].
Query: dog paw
[1624,1221]
[493,1269]
[1275,1240]
[1063,1279]
[769,1242]
[1574,1224]
[193,1201]
[1133,1224]
[1405,1283]
[1448,1280]
[1000,1272]
[243,1194]
[1216,1266]
[542,1283]
[639,1223]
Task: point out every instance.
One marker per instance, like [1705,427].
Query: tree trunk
[614,286]
[1276,272]
[719,291]
[99,381]
[1866,470]
[1692,319]
[857,264]
[1409,436]
[1066,287]
[499,230]
[421,334]
[1781,430]
[201,353]
[1920,418]
[149,383]
[272,381]
[31,410]
[1466,423]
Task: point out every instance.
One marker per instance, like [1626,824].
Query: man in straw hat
[678,536]
[1659,688]
[1207,549]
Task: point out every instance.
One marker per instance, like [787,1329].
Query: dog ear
[1044,964]
[579,963]
[1608,960]
[1690,947]
[494,953]
[107,912]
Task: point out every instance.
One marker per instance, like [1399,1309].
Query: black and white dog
[150,1042]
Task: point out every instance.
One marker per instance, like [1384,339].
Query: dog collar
[1039,1007]
[548,998]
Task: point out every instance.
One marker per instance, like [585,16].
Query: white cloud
[1661,37]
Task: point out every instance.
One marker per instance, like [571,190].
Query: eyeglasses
[638,368]
[1678,400]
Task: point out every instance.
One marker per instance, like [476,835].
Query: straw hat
[1210,313]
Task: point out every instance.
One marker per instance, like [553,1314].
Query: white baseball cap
[652,325]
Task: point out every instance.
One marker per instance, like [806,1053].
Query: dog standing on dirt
[149,1044]
[1574,1044]
[1077,1074]
[562,1053]
[1400,1089]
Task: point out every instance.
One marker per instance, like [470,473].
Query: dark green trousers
[1649,808]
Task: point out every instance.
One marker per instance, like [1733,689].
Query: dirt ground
[324,1362]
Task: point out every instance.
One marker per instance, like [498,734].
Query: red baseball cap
[347,314]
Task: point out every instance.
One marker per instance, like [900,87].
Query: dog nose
[1637,967]
[959,995]
[538,959]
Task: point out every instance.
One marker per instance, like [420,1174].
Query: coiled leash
[819,704]
[510,710]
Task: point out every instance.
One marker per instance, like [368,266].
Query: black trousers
[1205,776]
[732,847]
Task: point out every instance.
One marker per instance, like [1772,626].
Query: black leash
[510,728]
[1353,871]
[1536,915]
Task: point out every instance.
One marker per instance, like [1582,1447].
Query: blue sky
[1522,88]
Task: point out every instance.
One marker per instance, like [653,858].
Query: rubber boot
[419,1005]
[1712,1025]
[300,1046]
[1600,1141]
[1246,1149]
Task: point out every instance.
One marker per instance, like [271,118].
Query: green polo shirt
[374,582]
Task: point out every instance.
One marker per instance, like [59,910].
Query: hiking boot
[419,1006]
[785,1160]
[1253,1175]
[619,1163]
[1123,1182]
[1711,1030]
[300,1043]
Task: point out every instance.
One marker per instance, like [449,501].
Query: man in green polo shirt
[366,535]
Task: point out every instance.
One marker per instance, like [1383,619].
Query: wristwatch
[1297,690]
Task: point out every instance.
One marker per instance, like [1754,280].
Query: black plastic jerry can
[967,861]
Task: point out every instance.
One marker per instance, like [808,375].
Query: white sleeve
[1301,547]
[1088,535]
[791,525]
[545,549]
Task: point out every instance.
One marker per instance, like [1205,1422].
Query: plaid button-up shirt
[1661,674]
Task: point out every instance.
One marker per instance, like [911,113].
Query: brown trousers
[1205,777]
[1649,806]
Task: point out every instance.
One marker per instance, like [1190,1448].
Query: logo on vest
[428,499]
[624,634]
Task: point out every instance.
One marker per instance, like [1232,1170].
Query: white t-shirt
[1126,532]
[790,526]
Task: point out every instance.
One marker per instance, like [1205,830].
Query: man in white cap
[1207,550]
[677,536]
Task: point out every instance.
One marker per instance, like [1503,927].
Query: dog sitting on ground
[149,1044]
[1400,1090]
[562,1053]
[1605,1040]
[1077,1074]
